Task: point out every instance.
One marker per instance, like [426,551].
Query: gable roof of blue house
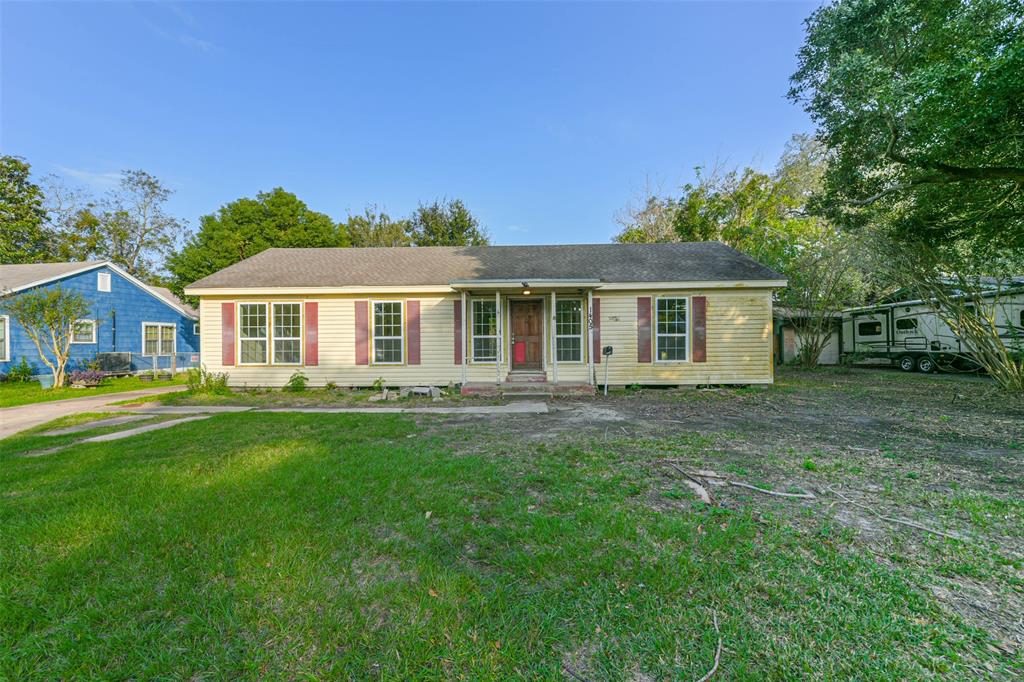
[148,325]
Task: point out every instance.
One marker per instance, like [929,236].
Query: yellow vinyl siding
[738,343]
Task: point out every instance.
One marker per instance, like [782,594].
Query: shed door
[527,334]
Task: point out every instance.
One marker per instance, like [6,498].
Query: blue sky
[544,118]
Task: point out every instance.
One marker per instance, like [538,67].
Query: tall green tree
[375,228]
[48,316]
[245,227]
[23,234]
[446,223]
[921,104]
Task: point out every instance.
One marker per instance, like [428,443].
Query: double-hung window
[387,333]
[5,351]
[83,331]
[569,330]
[157,339]
[671,329]
[287,333]
[485,331]
[252,333]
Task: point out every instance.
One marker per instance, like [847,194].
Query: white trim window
[287,333]
[195,328]
[158,338]
[388,340]
[670,329]
[5,338]
[569,329]
[484,331]
[252,333]
[103,281]
[83,332]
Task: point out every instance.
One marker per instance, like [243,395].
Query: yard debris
[801,495]
[694,484]
[718,651]
[573,674]
[890,519]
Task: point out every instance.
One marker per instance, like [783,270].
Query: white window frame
[558,336]
[195,329]
[685,335]
[5,347]
[160,339]
[265,339]
[374,337]
[473,335]
[103,282]
[272,332]
[92,338]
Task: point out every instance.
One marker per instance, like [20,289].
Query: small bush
[810,465]
[201,380]
[85,376]
[331,386]
[378,384]
[21,372]
[297,382]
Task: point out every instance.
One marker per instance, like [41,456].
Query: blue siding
[119,314]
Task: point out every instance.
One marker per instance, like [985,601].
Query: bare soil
[879,450]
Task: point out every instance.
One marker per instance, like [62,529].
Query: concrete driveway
[15,419]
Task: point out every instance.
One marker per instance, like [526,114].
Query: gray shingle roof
[18,275]
[168,295]
[441,265]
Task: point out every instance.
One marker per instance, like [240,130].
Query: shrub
[201,380]
[297,382]
[331,386]
[85,376]
[378,384]
[21,372]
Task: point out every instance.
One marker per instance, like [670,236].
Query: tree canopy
[23,237]
[920,104]
[245,227]
[446,223]
[375,228]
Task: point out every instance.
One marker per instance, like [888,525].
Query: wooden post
[465,316]
[590,336]
[497,352]
[554,342]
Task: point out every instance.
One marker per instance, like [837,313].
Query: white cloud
[101,180]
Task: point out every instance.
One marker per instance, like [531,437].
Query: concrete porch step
[535,390]
[526,378]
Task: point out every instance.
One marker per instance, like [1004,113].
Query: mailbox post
[607,353]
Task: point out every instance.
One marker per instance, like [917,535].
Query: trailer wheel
[925,364]
[906,363]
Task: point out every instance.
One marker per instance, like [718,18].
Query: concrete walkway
[15,419]
[532,407]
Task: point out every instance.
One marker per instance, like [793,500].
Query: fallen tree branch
[890,519]
[800,496]
[694,484]
[573,674]
[718,651]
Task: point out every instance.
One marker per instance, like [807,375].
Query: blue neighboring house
[145,325]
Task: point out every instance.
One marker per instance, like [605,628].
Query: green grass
[13,394]
[292,546]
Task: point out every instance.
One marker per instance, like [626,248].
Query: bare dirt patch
[922,473]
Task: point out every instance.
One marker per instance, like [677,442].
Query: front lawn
[13,393]
[299,546]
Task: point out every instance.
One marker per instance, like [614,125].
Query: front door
[527,334]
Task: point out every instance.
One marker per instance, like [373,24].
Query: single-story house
[132,326]
[684,313]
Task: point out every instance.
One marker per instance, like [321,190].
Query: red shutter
[312,330]
[362,333]
[227,334]
[412,331]
[643,329]
[596,320]
[458,332]
[700,329]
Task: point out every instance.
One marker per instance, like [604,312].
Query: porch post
[551,336]
[464,323]
[590,336]
[497,354]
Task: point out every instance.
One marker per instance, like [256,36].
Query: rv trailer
[911,336]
